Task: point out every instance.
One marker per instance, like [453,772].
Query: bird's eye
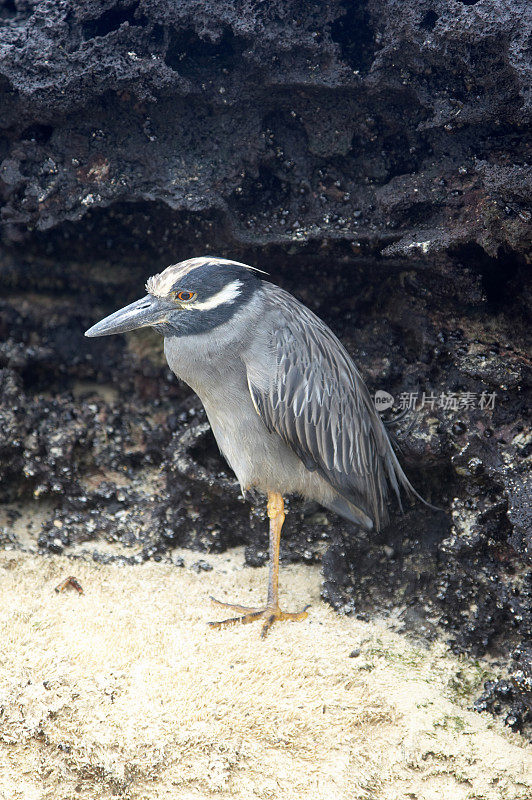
[184,297]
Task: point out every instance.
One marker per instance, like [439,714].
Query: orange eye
[184,297]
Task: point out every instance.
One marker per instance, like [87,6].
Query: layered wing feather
[318,403]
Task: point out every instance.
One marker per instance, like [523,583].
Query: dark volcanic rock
[375,159]
[395,125]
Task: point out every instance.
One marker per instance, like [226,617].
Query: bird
[288,407]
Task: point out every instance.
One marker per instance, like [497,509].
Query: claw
[269,614]
[266,627]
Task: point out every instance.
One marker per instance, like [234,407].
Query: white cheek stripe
[226,295]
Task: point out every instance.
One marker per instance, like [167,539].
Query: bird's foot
[268,614]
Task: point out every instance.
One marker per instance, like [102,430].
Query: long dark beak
[147,311]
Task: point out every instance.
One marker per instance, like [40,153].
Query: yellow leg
[271,612]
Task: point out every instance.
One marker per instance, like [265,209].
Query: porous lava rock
[400,126]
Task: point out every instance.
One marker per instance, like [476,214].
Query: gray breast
[214,366]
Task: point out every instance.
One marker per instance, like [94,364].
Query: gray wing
[318,403]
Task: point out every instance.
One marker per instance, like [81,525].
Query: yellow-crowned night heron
[287,405]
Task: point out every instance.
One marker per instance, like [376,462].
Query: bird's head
[191,297]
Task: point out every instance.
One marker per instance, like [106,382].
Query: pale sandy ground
[124,692]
